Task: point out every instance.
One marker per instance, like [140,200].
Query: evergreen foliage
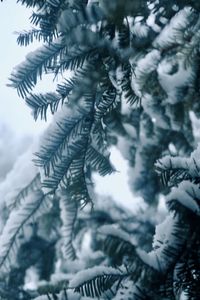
[134,83]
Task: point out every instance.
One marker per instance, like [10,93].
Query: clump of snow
[168,35]
[195,125]
[140,29]
[68,209]
[131,131]
[31,279]
[149,259]
[115,231]
[69,266]
[171,82]
[58,277]
[162,232]
[32,208]
[187,194]
[20,176]
[43,297]
[161,239]
[88,274]
[164,239]
[145,66]
[190,164]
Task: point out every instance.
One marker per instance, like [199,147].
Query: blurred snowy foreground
[17,170]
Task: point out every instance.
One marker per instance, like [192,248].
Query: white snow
[190,164]
[139,29]
[171,82]
[195,125]
[162,232]
[114,230]
[68,216]
[10,239]
[164,238]
[149,259]
[31,279]
[145,66]
[88,274]
[188,194]
[43,297]
[21,174]
[168,35]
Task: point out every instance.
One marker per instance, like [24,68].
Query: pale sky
[13,111]
[16,115]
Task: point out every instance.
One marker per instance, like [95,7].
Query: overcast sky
[16,116]
[14,18]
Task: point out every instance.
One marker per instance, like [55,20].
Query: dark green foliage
[27,37]
[69,215]
[35,184]
[99,284]
[98,161]
[39,247]
[25,78]
[41,103]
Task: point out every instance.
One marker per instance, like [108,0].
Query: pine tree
[134,84]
